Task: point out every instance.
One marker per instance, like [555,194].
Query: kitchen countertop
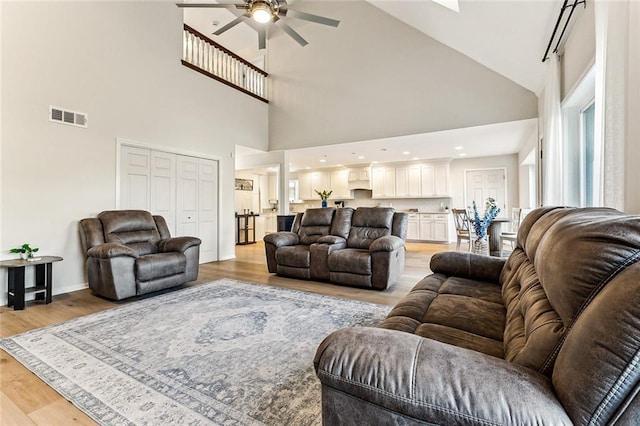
[428,212]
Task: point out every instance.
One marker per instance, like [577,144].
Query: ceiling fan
[263,12]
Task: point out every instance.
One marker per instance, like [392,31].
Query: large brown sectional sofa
[549,336]
[364,247]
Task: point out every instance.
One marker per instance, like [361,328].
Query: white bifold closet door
[183,189]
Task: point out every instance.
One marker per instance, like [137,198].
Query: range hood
[360,184]
[361,194]
[360,178]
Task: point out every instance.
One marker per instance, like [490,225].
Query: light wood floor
[27,400]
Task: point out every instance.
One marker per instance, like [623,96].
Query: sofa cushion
[544,288]
[369,223]
[315,223]
[354,261]
[296,256]
[131,227]
[533,328]
[341,223]
[458,311]
[159,265]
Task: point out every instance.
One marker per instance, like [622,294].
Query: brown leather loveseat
[131,252]
[362,247]
[549,336]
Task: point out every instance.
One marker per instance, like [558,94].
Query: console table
[244,224]
[43,279]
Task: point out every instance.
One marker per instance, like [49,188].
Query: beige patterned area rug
[226,352]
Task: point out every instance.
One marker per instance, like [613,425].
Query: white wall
[579,49]
[375,77]
[528,157]
[119,63]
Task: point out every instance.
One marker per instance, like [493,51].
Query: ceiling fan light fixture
[261,12]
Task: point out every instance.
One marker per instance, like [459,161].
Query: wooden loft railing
[207,57]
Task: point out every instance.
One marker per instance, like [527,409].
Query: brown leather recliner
[549,336]
[289,253]
[131,252]
[363,247]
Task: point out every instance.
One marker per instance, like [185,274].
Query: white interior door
[182,189]
[208,209]
[482,184]
[134,178]
[163,187]
[187,195]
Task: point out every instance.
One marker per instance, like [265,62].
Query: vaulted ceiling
[506,36]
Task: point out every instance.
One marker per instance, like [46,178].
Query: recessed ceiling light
[406,153]
[458,148]
[360,157]
[374,162]
[339,165]
[322,160]
[462,154]
[307,168]
[415,158]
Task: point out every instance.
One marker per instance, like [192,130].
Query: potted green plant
[323,196]
[25,251]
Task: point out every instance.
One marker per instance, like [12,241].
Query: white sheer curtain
[617,133]
[552,162]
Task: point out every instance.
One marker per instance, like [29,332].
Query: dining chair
[511,236]
[462,222]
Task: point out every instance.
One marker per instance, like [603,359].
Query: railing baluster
[203,54]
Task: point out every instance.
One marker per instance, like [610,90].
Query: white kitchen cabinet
[340,184]
[320,181]
[413,227]
[273,187]
[408,181]
[270,222]
[358,174]
[435,180]
[304,186]
[440,227]
[434,227]
[402,182]
[310,182]
[383,183]
[426,232]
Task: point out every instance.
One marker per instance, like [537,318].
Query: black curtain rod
[565,6]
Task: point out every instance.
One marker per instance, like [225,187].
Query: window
[578,120]
[587,118]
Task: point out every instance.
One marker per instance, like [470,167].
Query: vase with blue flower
[480,244]
[324,195]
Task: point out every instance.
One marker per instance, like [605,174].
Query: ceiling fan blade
[311,18]
[232,24]
[212,5]
[292,33]
[262,38]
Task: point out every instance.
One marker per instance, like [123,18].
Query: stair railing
[207,57]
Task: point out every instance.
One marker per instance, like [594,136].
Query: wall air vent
[63,116]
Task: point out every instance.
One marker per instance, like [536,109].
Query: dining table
[493,231]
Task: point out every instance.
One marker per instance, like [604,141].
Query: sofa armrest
[178,244]
[111,250]
[386,243]
[333,240]
[282,238]
[467,265]
[432,381]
